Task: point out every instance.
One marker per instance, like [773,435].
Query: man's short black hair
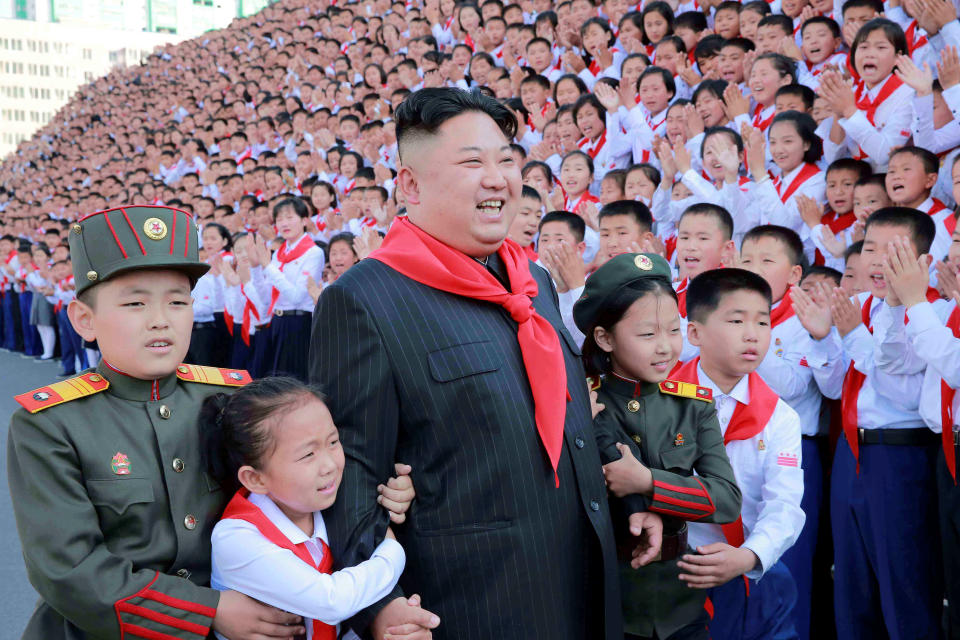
[423,112]
[576,224]
[789,238]
[636,210]
[707,290]
[715,211]
[921,225]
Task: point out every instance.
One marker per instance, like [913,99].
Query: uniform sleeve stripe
[176,603]
[698,506]
[142,632]
[116,606]
[680,514]
[677,489]
[706,493]
[163,618]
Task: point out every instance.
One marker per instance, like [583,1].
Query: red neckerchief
[531,252]
[670,244]
[747,421]
[655,125]
[584,198]
[469,42]
[593,147]
[947,394]
[240,508]
[936,206]
[852,384]
[417,255]
[759,121]
[62,286]
[285,256]
[914,42]
[836,224]
[682,296]
[249,312]
[227,318]
[807,172]
[864,103]
[783,312]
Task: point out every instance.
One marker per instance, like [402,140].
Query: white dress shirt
[245,561]
[292,281]
[769,474]
[786,369]
[931,340]
[891,129]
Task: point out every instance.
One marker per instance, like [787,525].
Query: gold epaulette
[213,375]
[63,391]
[593,383]
[686,390]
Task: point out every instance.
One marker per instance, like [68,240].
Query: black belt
[956,438]
[290,312]
[674,545]
[205,325]
[902,437]
[819,436]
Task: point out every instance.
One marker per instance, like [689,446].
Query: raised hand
[907,274]
[735,103]
[948,67]
[814,317]
[845,312]
[920,80]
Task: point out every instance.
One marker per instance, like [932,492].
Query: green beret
[107,243]
[608,279]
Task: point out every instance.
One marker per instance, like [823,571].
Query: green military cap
[608,279]
[107,243]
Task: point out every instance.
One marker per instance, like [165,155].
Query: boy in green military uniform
[112,506]
[653,434]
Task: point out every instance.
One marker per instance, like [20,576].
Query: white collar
[293,533]
[740,392]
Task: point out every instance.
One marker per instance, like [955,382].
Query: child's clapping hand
[397,495]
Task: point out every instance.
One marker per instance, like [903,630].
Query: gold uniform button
[92,275]
[637,439]
[177,465]
[183,369]
[190,522]
[164,412]
[633,406]
[77,228]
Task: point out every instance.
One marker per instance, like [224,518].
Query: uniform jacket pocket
[119,495]
[679,458]
[462,360]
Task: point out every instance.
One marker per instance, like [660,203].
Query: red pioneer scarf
[807,172]
[759,121]
[836,223]
[947,394]
[682,296]
[286,256]
[240,508]
[249,312]
[747,421]
[421,257]
[784,310]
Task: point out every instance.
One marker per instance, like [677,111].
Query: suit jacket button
[594,505]
[578,442]
[177,465]
[183,573]
[190,522]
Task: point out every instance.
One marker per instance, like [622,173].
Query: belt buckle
[278,313]
[956,438]
[861,432]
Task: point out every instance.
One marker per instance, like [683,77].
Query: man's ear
[408,185]
[81,317]
[693,334]
[251,479]
[603,338]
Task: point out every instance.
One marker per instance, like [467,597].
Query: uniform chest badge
[761,445]
[679,441]
[120,464]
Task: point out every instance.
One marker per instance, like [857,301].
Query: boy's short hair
[576,224]
[779,20]
[709,46]
[802,91]
[707,290]
[830,22]
[617,175]
[536,78]
[860,167]
[875,179]
[789,238]
[715,211]
[731,5]
[744,44]
[757,6]
[876,5]
[636,210]
[931,163]
[696,21]
[853,250]
[922,227]
[530,192]
[822,270]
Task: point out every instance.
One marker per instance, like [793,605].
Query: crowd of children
[789,168]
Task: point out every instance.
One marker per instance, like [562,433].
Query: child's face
[212,240]
[342,257]
[557,233]
[575,175]
[819,43]
[646,342]
[589,122]
[618,233]
[875,253]
[786,146]
[875,58]
[654,94]
[655,26]
[908,184]
[638,187]
[852,281]
[539,56]
[533,96]
[290,226]
[765,80]
[302,472]
[814,281]
[610,191]
[867,199]
[748,24]
[789,102]
[142,321]
[700,245]
[767,257]
[768,38]
[840,190]
[667,57]
[537,179]
[524,226]
[953,255]
[680,192]
[858,16]
[735,337]
[730,63]
[726,23]
[792,8]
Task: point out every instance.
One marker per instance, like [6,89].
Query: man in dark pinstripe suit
[420,375]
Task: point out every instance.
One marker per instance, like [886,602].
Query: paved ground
[17,375]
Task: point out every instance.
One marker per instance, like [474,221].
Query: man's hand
[845,312]
[240,617]
[716,564]
[814,317]
[627,475]
[397,495]
[907,274]
[649,528]
[404,618]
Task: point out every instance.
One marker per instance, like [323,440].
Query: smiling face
[524,226]
[141,320]
[786,146]
[462,184]
[302,472]
[733,338]
[765,80]
[700,245]
[711,109]
[575,175]
[646,342]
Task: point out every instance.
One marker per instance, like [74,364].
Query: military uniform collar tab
[136,389]
[628,387]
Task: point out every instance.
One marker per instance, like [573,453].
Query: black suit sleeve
[608,433]
[349,363]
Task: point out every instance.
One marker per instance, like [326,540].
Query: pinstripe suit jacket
[437,381]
